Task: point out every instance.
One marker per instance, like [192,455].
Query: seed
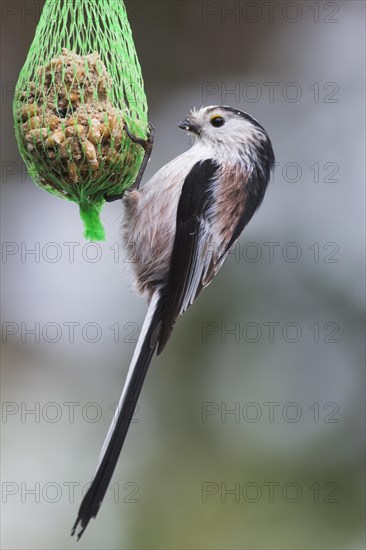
[36,134]
[63,150]
[35,137]
[94,134]
[90,154]
[76,130]
[112,122]
[55,139]
[70,121]
[73,172]
[34,122]
[82,118]
[115,126]
[29,111]
[74,97]
[53,122]
[105,132]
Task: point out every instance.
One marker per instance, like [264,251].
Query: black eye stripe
[217,121]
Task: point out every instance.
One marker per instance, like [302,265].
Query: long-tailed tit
[180,227]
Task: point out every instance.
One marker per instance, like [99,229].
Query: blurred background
[249,429]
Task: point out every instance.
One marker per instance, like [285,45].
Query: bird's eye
[217,121]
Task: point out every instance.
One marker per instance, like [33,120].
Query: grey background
[313,289]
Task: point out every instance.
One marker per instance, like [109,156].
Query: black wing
[189,256]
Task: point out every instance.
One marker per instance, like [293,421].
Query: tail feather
[117,432]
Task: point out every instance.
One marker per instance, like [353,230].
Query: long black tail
[117,432]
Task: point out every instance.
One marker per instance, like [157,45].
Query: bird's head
[226,129]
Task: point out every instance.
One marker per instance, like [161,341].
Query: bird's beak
[189,126]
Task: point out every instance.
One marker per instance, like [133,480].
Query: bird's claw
[147,145]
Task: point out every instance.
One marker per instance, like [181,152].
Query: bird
[178,228]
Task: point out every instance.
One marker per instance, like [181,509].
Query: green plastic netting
[80,84]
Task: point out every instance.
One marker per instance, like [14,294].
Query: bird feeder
[80,86]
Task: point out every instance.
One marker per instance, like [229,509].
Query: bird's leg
[147,145]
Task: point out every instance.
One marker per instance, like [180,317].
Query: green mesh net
[80,85]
